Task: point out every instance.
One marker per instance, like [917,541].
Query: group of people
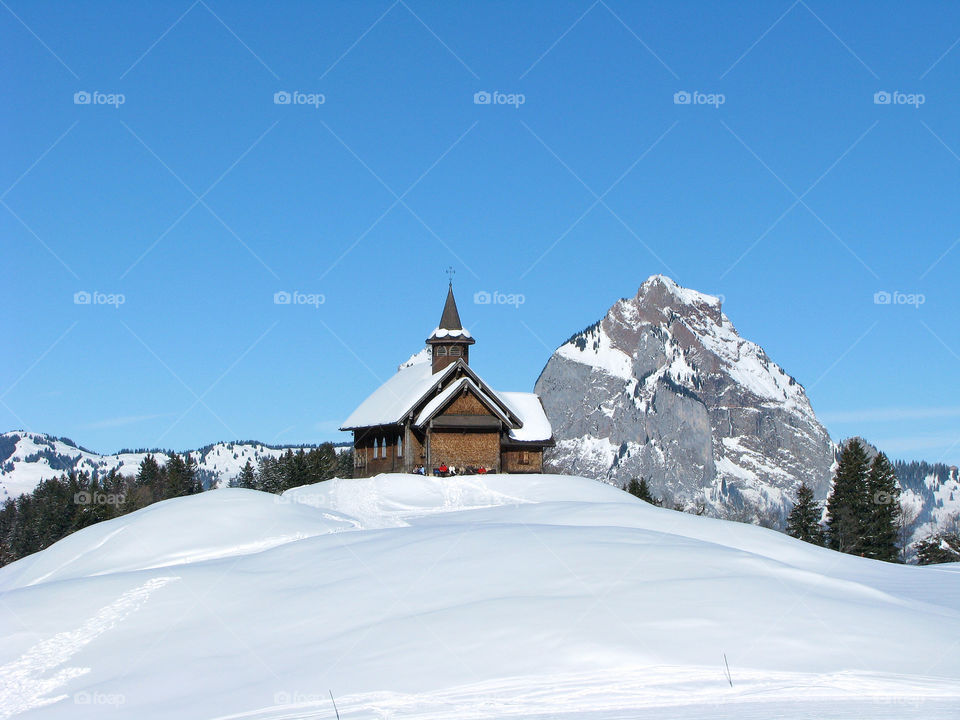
[444,470]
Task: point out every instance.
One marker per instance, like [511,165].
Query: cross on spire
[450,273]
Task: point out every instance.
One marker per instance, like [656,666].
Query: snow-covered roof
[529,409]
[444,332]
[391,402]
[465,382]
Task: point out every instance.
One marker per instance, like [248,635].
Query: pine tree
[847,506]
[939,548]
[803,522]
[640,489]
[191,476]
[178,481]
[151,477]
[247,478]
[883,522]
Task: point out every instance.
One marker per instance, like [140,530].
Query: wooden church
[436,411]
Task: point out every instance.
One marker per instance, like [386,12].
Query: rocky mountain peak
[663,386]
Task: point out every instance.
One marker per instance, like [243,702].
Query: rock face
[663,387]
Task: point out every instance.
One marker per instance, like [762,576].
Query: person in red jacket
[443,469]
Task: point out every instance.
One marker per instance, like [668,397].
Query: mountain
[930,496]
[665,388]
[493,597]
[26,458]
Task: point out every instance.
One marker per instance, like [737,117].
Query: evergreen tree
[640,489]
[883,522]
[192,478]
[939,548]
[179,482]
[847,506]
[803,522]
[151,477]
[344,464]
[247,478]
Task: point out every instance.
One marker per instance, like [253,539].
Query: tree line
[863,513]
[60,506]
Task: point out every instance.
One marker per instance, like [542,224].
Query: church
[436,411]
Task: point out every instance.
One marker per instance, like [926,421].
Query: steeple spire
[449,342]
[450,319]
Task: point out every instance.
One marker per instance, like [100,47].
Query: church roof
[414,382]
[450,319]
[437,403]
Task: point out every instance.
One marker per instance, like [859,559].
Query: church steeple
[449,342]
[450,319]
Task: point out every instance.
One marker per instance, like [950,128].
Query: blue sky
[198,197]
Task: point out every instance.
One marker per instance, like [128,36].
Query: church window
[455,350]
[441,350]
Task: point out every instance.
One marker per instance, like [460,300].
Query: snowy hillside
[505,596]
[27,458]
[930,495]
[663,387]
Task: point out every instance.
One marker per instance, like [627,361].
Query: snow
[605,357]
[529,409]
[413,381]
[684,295]
[477,597]
[448,392]
[392,400]
[444,332]
[224,460]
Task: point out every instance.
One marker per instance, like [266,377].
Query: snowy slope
[504,596]
[27,458]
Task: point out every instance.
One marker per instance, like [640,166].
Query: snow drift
[503,596]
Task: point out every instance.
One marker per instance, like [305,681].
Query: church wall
[463,449]
[522,460]
[466,404]
[364,463]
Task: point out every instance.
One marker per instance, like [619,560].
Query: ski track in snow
[674,692]
[21,685]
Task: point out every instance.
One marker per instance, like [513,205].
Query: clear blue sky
[798,198]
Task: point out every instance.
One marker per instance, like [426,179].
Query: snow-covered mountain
[26,458]
[663,387]
[930,497]
[493,597]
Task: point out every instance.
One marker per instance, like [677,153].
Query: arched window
[376,448]
[441,350]
[455,350]
[400,445]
